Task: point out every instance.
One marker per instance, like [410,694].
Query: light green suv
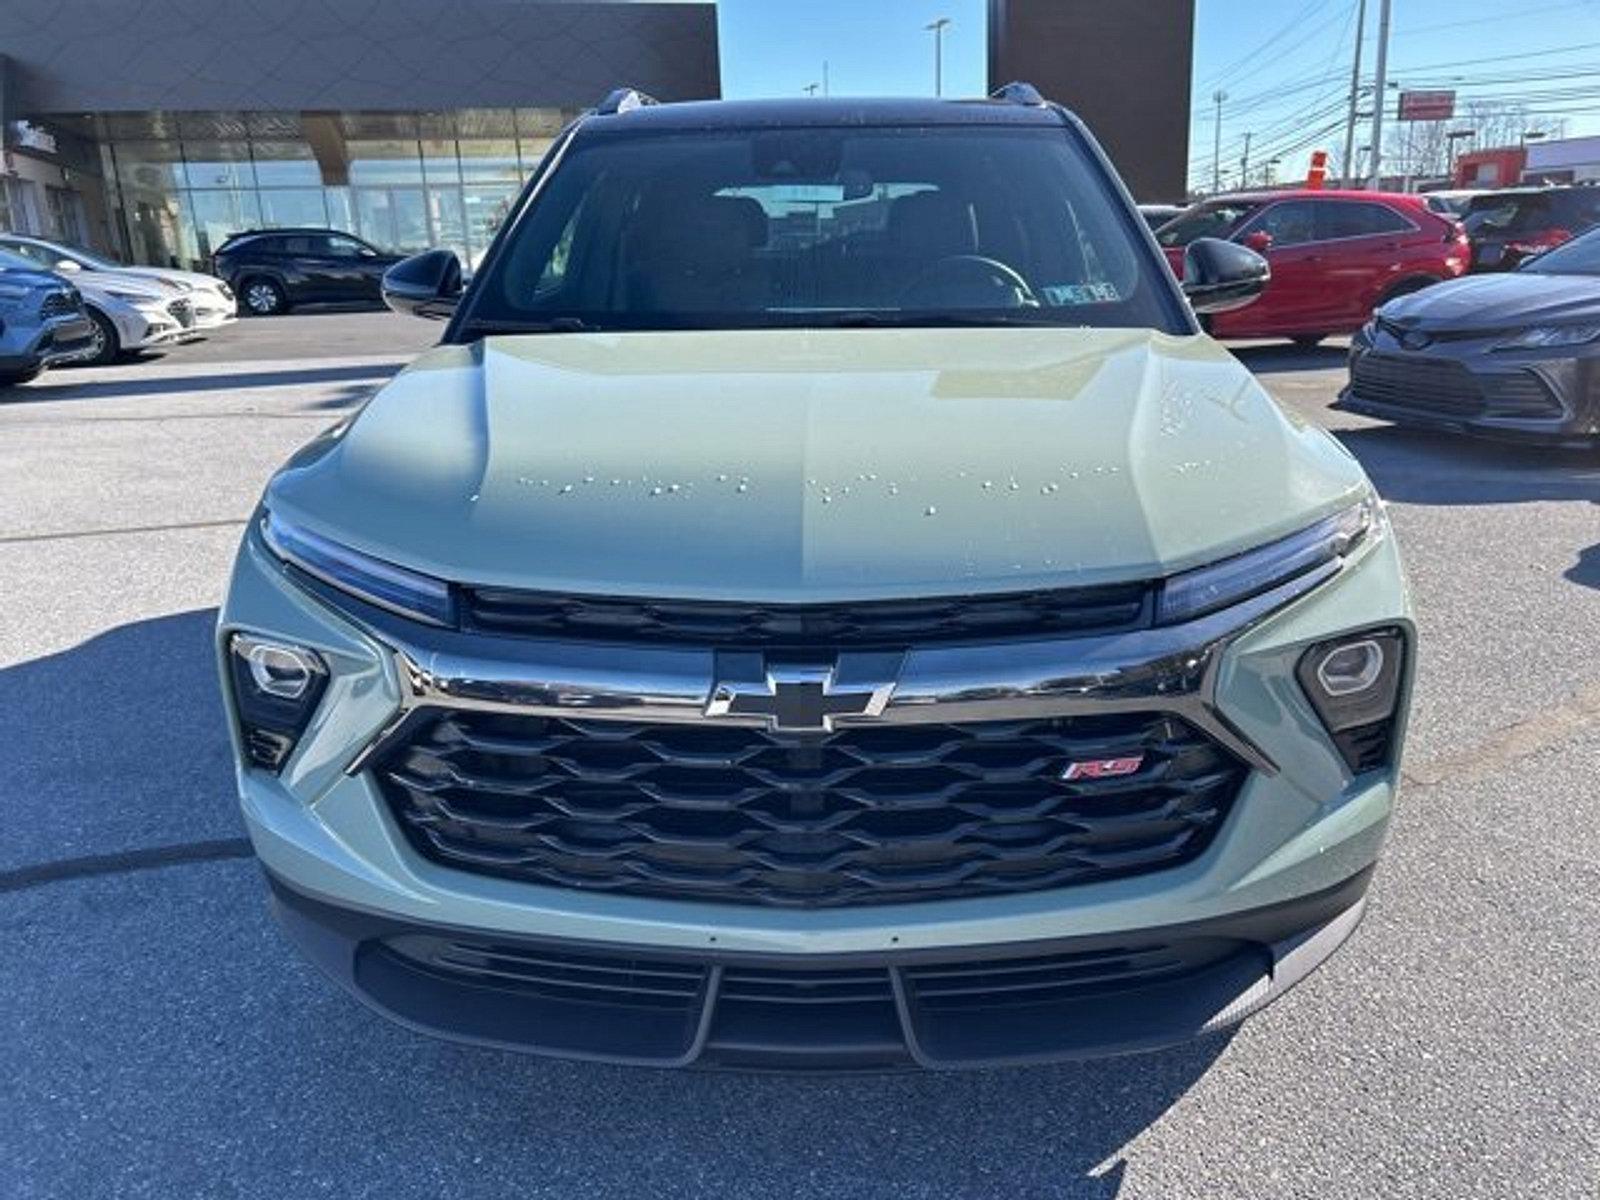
[825,604]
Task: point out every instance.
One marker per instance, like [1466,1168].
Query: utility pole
[824,77]
[1244,161]
[810,89]
[1348,174]
[1380,94]
[1217,97]
[937,29]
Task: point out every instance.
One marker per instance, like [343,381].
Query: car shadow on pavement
[118,764]
[84,388]
[1277,358]
[1417,466]
[1413,466]
[116,746]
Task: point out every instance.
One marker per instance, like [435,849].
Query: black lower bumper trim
[1568,434]
[1009,1004]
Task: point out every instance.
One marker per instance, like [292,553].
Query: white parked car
[126,312]
[211,301]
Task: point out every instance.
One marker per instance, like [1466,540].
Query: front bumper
[1034,1002]
[1467,386]
[55,339]
[1301,827]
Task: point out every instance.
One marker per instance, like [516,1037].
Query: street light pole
[937,28]
[1217,97]
[1380,94]
[1244,161]
[1355,93]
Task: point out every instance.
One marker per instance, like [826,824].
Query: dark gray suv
[273,270]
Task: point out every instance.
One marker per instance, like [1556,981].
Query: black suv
[273,269]
[1509,227]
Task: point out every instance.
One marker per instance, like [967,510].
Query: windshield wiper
[553,325]
[868,318]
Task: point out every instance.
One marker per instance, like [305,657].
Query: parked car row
[1514,354]
[1335,256]
[128,308]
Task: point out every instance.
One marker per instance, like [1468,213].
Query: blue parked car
[41,320]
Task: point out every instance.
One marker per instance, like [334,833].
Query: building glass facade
[404,182]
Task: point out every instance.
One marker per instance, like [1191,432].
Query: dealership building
[154,131]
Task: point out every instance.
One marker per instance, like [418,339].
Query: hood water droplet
[930,511]
[655,491]
[565,488]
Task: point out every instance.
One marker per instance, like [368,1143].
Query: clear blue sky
[1284,63]
[872,47]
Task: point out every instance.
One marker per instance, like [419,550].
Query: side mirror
[1258,240]
[424,285]
[67,265]
[1220,276]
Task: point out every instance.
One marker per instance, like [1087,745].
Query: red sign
[1427,106]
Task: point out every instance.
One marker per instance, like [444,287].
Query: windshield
[1496,214]
[1580,256]
[738,228]
[15,262]
[1204,220]
[47,254]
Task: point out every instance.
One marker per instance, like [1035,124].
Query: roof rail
[624,100]
[1017,92]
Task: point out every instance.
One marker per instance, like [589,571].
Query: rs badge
[1103,768]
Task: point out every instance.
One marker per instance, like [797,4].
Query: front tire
[262,297]
[106,346]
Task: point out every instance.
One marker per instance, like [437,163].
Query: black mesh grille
[864,815]
[1432,385]
[182,312]
[876,622]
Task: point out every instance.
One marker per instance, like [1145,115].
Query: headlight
[408,593]
[12,294]
[1219,585]
[1542,337]
[131,297]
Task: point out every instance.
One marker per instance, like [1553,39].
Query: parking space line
[65,535]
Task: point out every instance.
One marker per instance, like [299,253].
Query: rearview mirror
[1220,276]
[424,285]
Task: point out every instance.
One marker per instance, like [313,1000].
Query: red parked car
[1335,255]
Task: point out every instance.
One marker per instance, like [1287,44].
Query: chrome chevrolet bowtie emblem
[802,698]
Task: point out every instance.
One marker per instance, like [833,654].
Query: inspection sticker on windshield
[1082,293]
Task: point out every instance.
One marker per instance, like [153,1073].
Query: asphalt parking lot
[159,1039]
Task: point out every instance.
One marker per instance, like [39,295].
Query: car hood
[1512,300]
[811,465]
[33,279]
[96,285]
[180,279]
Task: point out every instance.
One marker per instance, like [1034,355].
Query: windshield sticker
[1082,293]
